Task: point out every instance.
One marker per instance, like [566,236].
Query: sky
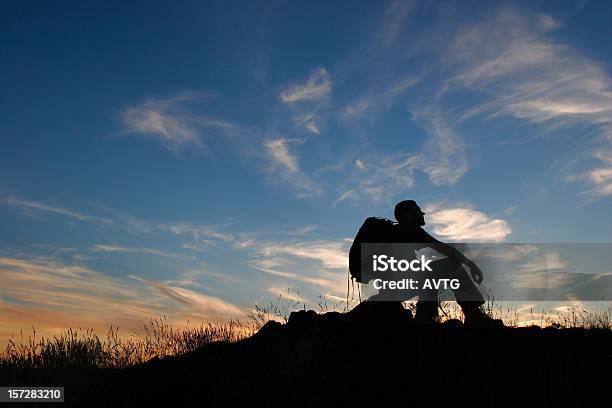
[196,158]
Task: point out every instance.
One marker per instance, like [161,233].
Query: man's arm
[451,252]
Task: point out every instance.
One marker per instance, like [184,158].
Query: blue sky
[191,158]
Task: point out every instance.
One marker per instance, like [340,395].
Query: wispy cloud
[278,150]
[331,254]
[307,98]
[524,74]
[344,195]
[506,64]
[192,300]
[198,231]
[379,176]
[391,26]
[318,264]
[30,205]
[163,120]
[386,175]
[443,157]
[129,222]
[176,123]
[53,296]
[312,126]
[284,166]
[173,122]
[378,97]
[143,250]
[465,224]
[316,88]
[598,179]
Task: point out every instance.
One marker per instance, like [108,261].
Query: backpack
[373,230]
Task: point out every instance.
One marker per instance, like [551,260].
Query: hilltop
[376,354]
[373,354]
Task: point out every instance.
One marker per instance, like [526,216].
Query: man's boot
[476,317]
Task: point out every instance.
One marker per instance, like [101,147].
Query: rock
[302,318]
[453,324]
[380,313]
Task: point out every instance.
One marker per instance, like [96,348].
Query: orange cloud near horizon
[51,297]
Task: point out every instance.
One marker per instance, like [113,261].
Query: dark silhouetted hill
[373,355]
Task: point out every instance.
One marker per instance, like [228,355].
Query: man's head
[407,212]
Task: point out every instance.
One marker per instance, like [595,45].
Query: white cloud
[599,178]
[345,195]
[466,224]
[175,124]
[312,126]
[163,120]
[331,254]
[278,150]
[172,123]
[38,206]
[110,248]
[320,264]
[307,98]
[522,73]
[306,118]
[317,87]
[143,250]
[284,167]
[192,300]
[197,231]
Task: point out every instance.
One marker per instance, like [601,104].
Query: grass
[86,349]
[573,316]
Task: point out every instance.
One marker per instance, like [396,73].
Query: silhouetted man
[410,219]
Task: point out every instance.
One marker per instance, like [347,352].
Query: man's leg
[467,295]
[470,299]
[427,306]
[426,311]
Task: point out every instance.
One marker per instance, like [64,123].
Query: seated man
[410,220]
